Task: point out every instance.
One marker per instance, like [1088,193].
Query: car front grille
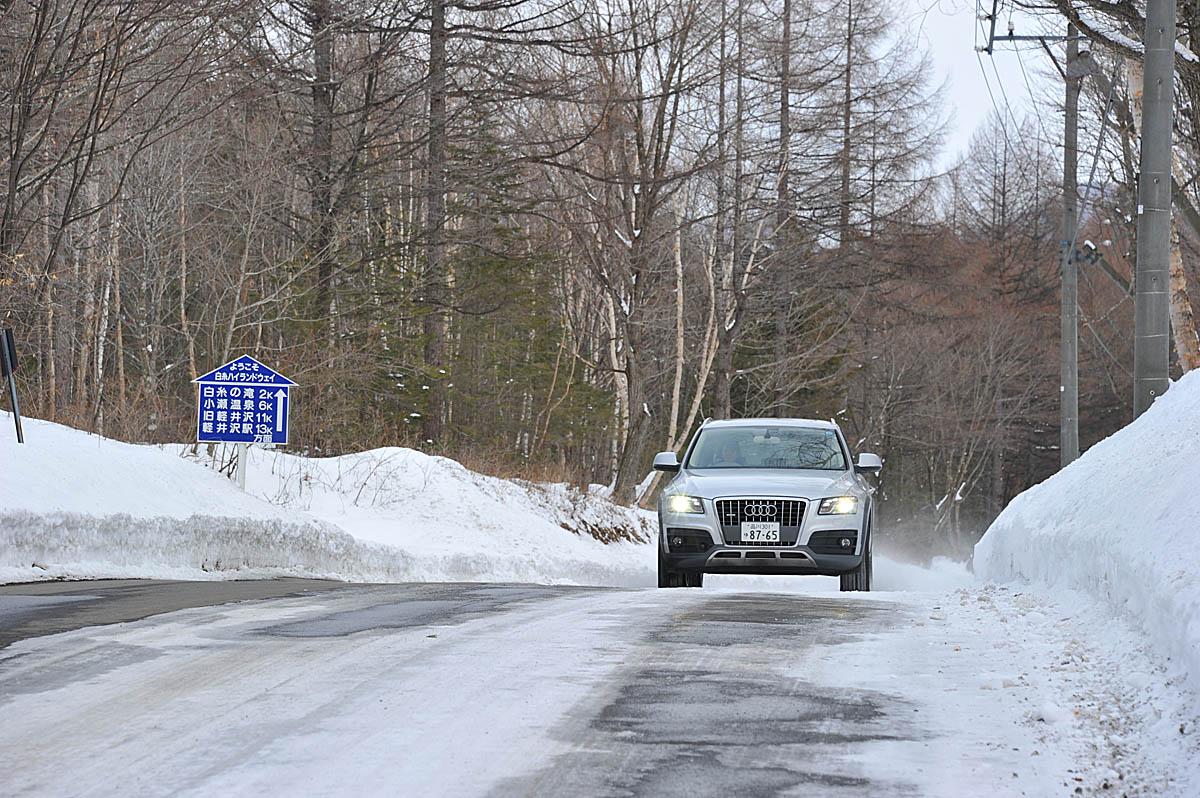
[788,513]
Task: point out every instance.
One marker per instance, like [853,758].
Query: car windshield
[767,447]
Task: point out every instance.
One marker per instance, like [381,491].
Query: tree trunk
[323,90]
[49,298]
[86,279]
[241,295]
[844,199]
[618,362]
[101,341]
[783,263]
[435,278]
[184,325]
[737,254]
[114,254]
[631,463]
[51,356]
[707,354]
[677,380]
[785,120]
[723,378]
[1183,322]
[110,302]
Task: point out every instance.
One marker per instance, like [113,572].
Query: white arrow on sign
[280,395]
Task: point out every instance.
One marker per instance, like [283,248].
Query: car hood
[711,483]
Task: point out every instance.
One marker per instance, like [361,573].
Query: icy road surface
[308,688]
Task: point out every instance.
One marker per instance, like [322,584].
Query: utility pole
[1152,334]
[1068,391]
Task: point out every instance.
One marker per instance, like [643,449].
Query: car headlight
[838,505]
[684,504]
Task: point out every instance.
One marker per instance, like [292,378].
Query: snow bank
[78,505]
[54,545]
[1121,524]
[456,524]
[75,505]
[60,469]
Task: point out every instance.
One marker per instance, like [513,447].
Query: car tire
[667,577]
[861,577]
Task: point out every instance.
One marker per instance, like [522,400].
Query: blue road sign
[243,402]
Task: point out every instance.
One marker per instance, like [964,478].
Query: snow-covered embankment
[1121,525]
[76,505]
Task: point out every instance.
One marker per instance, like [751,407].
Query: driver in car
[729,457]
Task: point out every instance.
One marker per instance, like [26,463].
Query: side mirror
[868,462]
[666,461]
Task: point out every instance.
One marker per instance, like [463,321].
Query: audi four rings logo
[768,510]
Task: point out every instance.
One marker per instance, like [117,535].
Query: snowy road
[317,689]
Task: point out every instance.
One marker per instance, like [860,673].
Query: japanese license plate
[760,532]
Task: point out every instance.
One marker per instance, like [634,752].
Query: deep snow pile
[1121,524]
[456,524]
[78,505]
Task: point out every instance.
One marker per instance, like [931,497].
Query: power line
[1037,113]
[1041,127]
[1004,94]
[989,32]
[995,105]
[1045,138]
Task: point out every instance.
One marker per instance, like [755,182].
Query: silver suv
[766,496]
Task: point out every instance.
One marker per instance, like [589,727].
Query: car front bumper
[762,560]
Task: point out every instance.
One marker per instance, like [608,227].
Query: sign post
[242,465]
[8,365]
[243,402]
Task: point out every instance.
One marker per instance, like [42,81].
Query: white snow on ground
[1034,696]
[1122,525]
[77,506]
[456,524]
[60,469]
[1115,537]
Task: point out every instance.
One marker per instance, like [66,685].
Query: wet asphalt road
[711,710]
[501,690]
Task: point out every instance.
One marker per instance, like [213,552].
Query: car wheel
[860,578]
[667,577]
